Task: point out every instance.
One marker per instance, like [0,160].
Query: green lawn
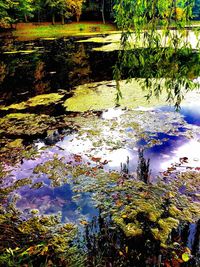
[29,30]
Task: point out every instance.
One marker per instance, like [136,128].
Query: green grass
[28,31]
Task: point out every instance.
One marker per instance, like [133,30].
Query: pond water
[57,158]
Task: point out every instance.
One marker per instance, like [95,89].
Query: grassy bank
[46,30]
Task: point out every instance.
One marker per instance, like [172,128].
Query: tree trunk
[53,19]
[25,18]
[77,18]
[62,19]
[102,12]
[38,16]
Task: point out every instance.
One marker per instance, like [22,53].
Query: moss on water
[111,38]
[15,143]
[20,52]
[165,228]
[102,95]
[55,170]
[134,204]
[38,240]
[25,124]
[45,99]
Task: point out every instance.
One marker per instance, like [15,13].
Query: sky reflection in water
[50,200]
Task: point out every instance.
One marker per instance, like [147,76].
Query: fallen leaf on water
[167,264]
[185,256]
[84,222]
[95,159]
[77,158]
[119,203]
[183,160]
[170,169]
[121,253]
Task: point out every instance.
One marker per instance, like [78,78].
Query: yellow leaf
[185,257]
[121,253]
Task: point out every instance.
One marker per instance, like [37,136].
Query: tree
[25,9]
[38,8]
[102,11]
[65,8]
[75,7]
[6,18]
[139,21]
[53,5]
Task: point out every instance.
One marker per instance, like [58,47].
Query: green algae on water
[45,99]
[25,124]
[102,95]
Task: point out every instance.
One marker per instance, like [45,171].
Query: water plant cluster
[131,206]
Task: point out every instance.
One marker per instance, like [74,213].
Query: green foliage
[24,9]
[65,8]
[5,17]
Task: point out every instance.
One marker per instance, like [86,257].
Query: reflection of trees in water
[41,86]
[3,71]
[107,245]
[80,66]
[164,69]
[18,83]
[57,64]
[196,243]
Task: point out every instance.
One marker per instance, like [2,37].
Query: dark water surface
[44,66]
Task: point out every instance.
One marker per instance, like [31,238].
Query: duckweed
[45,99]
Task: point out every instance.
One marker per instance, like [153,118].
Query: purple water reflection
[49,200]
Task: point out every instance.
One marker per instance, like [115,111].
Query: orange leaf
[84,222]
[95,159]
[119,203]
[77,158]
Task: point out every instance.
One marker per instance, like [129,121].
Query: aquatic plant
[39,100]
[38,241]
